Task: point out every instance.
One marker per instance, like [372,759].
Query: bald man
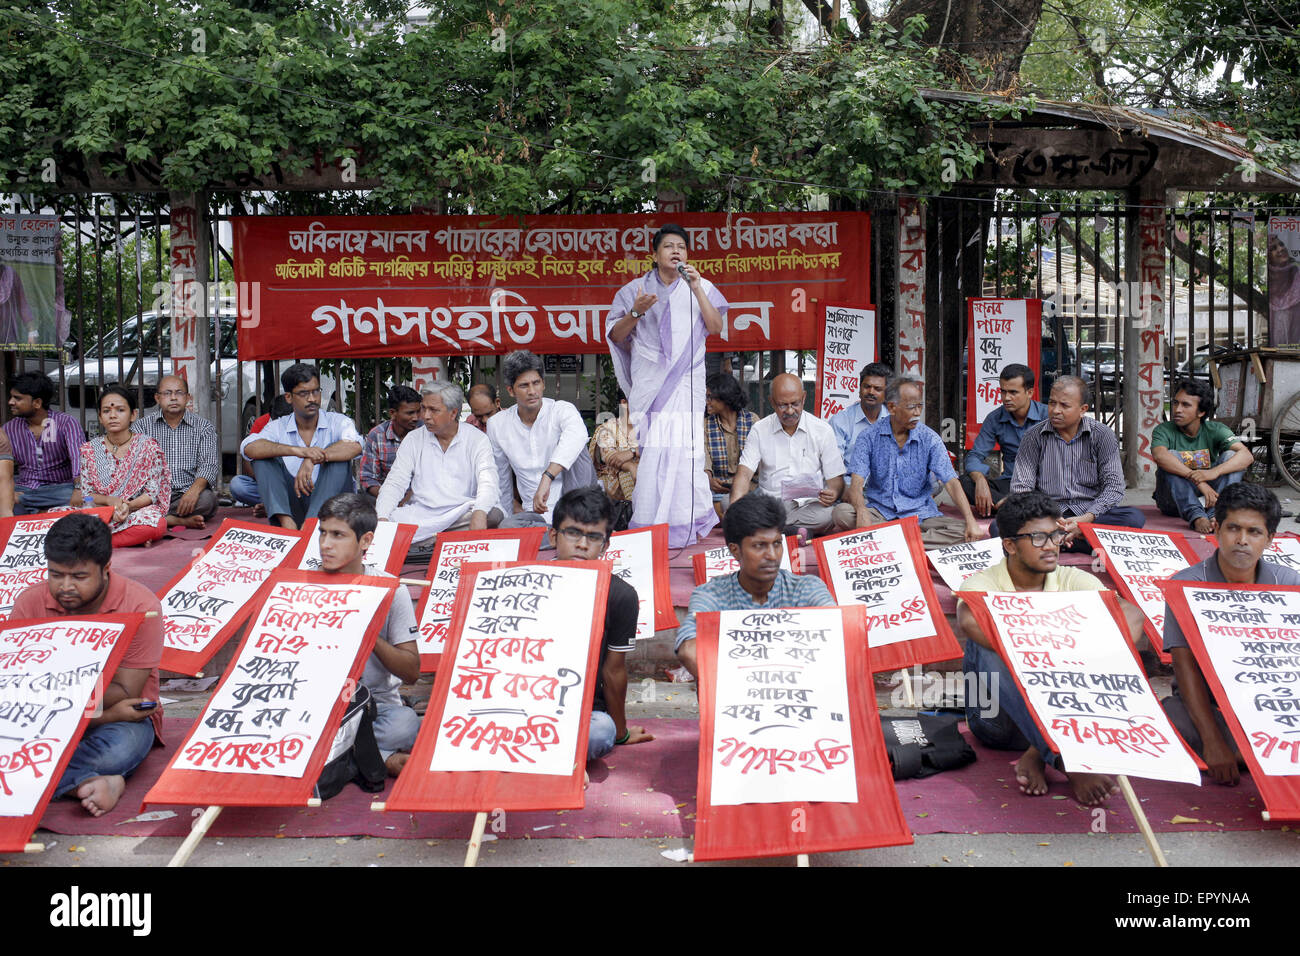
[798,462]
[189,444]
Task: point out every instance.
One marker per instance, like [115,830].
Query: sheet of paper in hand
[714,562]
[387,551]
[268,727]
[450,549]
[1246,638]
[640,557]
[22,552]
[51,683]
[881,569]
[1083,682]
[785,736]
[1284,549]
[957,562]
[205,604]
[506,726]
[1138,562]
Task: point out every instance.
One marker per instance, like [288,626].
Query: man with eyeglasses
[798,463]
[189,443]
[583,519]
[891,467]
[302,460]
[1031,545]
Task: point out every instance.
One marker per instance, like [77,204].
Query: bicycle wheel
[1285,442]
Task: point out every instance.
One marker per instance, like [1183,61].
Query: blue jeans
[600,735]
[1008,724]
[395,729]
[42,498]
[244,488]
[276,487]
[1177,496]
[107,750]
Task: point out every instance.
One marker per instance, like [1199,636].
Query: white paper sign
[957,562]
[1253,639]
[1142,559]
[1284,549]
[22,563]
[219,583]
[377,555]
[515,698]
[446,578]
[848,346]
[874,567]
[275,701]
[1086,687]
[633,555]
[718,561]
[47,675]
[781,719]
[999,337]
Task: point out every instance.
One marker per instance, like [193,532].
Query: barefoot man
[1031,544]
[78,551]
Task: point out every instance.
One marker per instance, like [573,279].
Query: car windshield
[128,344]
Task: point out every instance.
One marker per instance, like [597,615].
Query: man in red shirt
[78,551]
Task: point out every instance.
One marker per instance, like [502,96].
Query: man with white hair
[449,470]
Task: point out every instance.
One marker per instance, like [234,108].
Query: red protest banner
[22,551]
[754,821]
[54,680]
[999,332]
[387,550]
[640,557]
[354,286]
[506,726]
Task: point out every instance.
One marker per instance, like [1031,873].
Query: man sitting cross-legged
[1031,545]
[78,553]
[347,526]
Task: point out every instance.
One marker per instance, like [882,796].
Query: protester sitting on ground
[1246,518]
[753,528]
[189,443]
[380,446]
[243,487]
[1002,429]
[125,471]
[1074,460]
[445,471]
[1196,456]
[540,445]
[849,423]
[891,467]
[304,459]
[46,446]
[78,553]
[614,453]
[483,404]
[1031,538]
[347,524]
[583,521]
[797,463]
[727,424]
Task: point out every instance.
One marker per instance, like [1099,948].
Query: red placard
[25,567]
[211,788]
[420,789]
[850,341]
[359,286]
[396,556]
[939,646]
[665,618]
[739,831]
[1014,329]
[16,831]
[530,542]
[705,570]
[191,662]
[1281,794]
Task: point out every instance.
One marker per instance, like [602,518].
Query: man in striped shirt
[1074,460]
[189,443]
[46,446]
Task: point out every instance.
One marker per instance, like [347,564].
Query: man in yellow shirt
[1031,544]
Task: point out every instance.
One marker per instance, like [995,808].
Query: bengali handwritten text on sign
[22,559]
[714,562]
[848,346]
[999,332]
[640,558]
[520,684]
[1139,562]
[387,552]
[1084,683]
[876,567]
[957,562]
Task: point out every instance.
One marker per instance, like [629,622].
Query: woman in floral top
[126,472]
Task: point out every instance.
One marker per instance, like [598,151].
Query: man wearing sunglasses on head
[1031,545]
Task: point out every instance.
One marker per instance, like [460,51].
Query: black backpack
[924,745]
[354,757]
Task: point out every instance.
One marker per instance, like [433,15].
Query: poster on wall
[32,316]
[1284,280]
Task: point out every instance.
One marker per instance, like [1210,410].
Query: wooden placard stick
[908,695]
[802,860]
[1140,816]
[200,827]
[34,848]
[476,838]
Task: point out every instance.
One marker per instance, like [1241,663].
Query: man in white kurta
[448,468]
[657,328]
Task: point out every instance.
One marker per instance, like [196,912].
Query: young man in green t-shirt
[1196,455]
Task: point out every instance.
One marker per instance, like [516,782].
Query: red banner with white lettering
[358,286]
[999,332]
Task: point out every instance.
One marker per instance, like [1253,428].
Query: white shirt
[786,463]
[330,427]
[444,484]
[522,452]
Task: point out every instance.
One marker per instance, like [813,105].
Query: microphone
[681,270]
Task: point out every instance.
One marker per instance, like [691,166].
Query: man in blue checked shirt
[891,467]
[1002,429]
[752,528]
